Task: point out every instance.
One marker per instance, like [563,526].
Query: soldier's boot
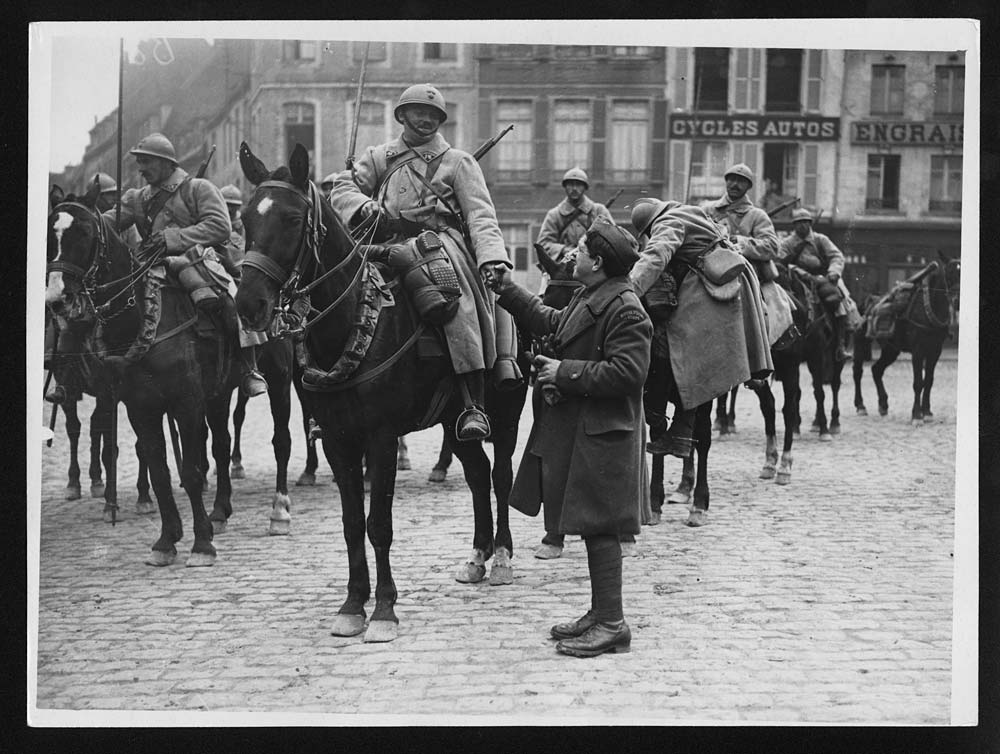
[252,383]
[678,439]
[472,423]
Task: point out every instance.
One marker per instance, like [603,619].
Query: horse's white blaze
[63,221]
[264,205]
[54,290]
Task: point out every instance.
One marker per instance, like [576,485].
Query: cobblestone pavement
[829,600]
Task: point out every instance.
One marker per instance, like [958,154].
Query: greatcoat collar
[172,183]
[585,206]
[582,314]
[426,152]
[740,207]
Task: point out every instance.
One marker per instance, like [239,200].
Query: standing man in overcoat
[585,448]
[419,182]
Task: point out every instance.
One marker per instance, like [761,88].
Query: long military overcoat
[457,177]
[585,453]
[819,256]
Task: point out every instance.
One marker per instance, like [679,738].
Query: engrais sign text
[797,128]
[914,134]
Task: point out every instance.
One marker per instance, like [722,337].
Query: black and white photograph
[517,373]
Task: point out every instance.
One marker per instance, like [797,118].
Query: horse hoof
[218,527]
[883,410]
[402,464]
[767,472]
[825,437]
[145,507]
[348,625]
[236,471]
[862,411]
[501,575]
[279,528]
[679,497]
[438,475]
[783,477]
[200,560]
[109,518]
[306,480]
[159,558]
[834,429]
[814,428]
[73,492]
[629,549]
[97,489]
[381,631]
[470,573]
[697,517]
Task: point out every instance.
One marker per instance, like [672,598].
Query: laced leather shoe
[669,445]
[574,628]
[472,425]
[254,384]
[598,639]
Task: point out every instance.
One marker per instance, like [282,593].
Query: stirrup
[472,432]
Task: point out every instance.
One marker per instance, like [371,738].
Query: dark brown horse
[93,278]
[294,238]
[921,329]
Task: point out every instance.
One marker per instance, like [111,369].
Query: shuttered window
[949,89]
[748,64]
[813,80]
[571,135]
[679,151]
[887,89]
[514,152]
[946,183]
[810,175]
[630,137]
[709,160]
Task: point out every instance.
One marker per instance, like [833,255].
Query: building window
[630,131]
[449,129]
[435,52]
[514,151]
[516,240]
[781,170]
[372,129]
[709,160]
[887,89]
[711,78]
[377,51]
[949,89]
[572,51]
[571,135]
[882,190]
[946,183]
[300,128]
[784,81]
[747,78]
[297,49]
[633,52]
[814,79]
[513,51]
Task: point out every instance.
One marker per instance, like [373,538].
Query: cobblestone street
[828,600]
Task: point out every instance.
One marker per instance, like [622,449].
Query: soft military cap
[614,245]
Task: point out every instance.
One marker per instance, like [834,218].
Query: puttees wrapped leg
[506,373]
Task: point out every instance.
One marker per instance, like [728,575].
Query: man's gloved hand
[495,276]
[833,277]
[368,209]
[153,247]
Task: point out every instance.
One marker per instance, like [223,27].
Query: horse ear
[56,195]
[298,163]
[89,199]
[547,263]
[253,169]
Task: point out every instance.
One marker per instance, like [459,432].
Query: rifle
[204,165]
[783,206]
[611,201]
[490,143]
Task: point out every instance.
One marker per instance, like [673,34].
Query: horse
[144,342]
[819,347]
[725,412]
[401,382]
[920,329]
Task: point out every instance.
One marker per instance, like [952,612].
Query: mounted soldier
[108,197]
[703,344]
[418,186]
[818,255]
[178,217]
[567,222]
[327,185]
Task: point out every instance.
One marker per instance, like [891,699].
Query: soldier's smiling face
[736,187]
[154,170]
[574,190]
[423,120]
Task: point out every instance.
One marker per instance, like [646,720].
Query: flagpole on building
[118,176]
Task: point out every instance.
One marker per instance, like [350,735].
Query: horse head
[561,284]
[75,241]
[285,221]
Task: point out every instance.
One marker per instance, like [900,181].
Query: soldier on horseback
[418,183]
[567,222]
[816,254]
[176,213]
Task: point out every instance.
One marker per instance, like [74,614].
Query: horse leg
[217,417]
[889,354]
[280,399]
[192,427]
[504,439]
[731,414]
[720,415]
[835,399]
[685,487]
[476,466]
[312,432]
[858,370]
[440,471]
[144,503]
[101,419]
[73,433]
[148,426]
[766,399]
[698,515]
[816,370]
[916,413]
[381,454]
[790,413]
[656,494]
[930,363]
[236,470]
[402,455]
[344,456]
[100,428]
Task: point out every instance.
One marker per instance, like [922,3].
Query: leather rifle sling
[151,208]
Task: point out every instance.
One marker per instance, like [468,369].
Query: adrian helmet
[155,145]
[576,174]
[742,170]
[106,182]
[646,210]
[422,94]
[329,180]
[232,195]
[802,214]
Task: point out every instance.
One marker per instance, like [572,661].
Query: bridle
[310,241]
[932,317]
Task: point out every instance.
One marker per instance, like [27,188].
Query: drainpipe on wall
[836,157]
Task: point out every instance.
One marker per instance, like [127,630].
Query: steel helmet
[742,170]
[576,174]
[645,211]
[422,94]
[156,145]
[106,182]
[801,214]
[232,195]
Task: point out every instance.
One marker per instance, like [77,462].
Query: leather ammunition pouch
[428,276]
[660,300]
[194,276]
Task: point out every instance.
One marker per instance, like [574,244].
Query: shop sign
[906,133]
[795,128]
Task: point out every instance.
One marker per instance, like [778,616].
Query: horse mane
[281,174]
